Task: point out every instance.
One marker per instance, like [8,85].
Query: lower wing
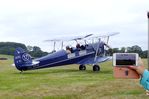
[91,60]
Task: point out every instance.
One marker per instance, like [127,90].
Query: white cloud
[32,21]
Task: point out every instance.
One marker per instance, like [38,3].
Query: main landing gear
[96,68]
[82,67]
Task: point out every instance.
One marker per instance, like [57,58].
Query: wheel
[96,68]
[82,67]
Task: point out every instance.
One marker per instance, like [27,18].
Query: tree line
[8,48]
[132,49]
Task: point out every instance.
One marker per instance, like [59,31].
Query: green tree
[8,48]
[29,48]
[135,49]
[115,50]
[144,54]
[123,49]
[37,52]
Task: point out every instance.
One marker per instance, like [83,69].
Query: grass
[66,82]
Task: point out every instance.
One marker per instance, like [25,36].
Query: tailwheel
[96,68]
[82,67]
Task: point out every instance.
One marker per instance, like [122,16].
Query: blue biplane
[88,53]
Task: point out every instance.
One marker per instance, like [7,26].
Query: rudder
[21,58]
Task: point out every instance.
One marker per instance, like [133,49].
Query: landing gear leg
[82,67]
[21,72]
[96,68]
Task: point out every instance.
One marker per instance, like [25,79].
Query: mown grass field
[66,82]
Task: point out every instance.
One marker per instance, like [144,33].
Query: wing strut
[97,50]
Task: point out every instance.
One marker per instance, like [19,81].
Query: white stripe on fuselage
[66,59]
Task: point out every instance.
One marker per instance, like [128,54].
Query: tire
[82,67]
[96,68]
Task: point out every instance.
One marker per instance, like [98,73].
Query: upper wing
[68,38]
[91,60]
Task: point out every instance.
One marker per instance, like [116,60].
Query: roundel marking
[26,57]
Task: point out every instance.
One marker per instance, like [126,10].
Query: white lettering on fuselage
[81,53]
[72,55]
[17,57]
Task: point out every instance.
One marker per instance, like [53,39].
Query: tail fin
[21,58]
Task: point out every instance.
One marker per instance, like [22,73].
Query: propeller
[108,37]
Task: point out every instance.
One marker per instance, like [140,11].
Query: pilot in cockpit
[68,49]
[78,47]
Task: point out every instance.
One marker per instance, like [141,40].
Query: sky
[31,22]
